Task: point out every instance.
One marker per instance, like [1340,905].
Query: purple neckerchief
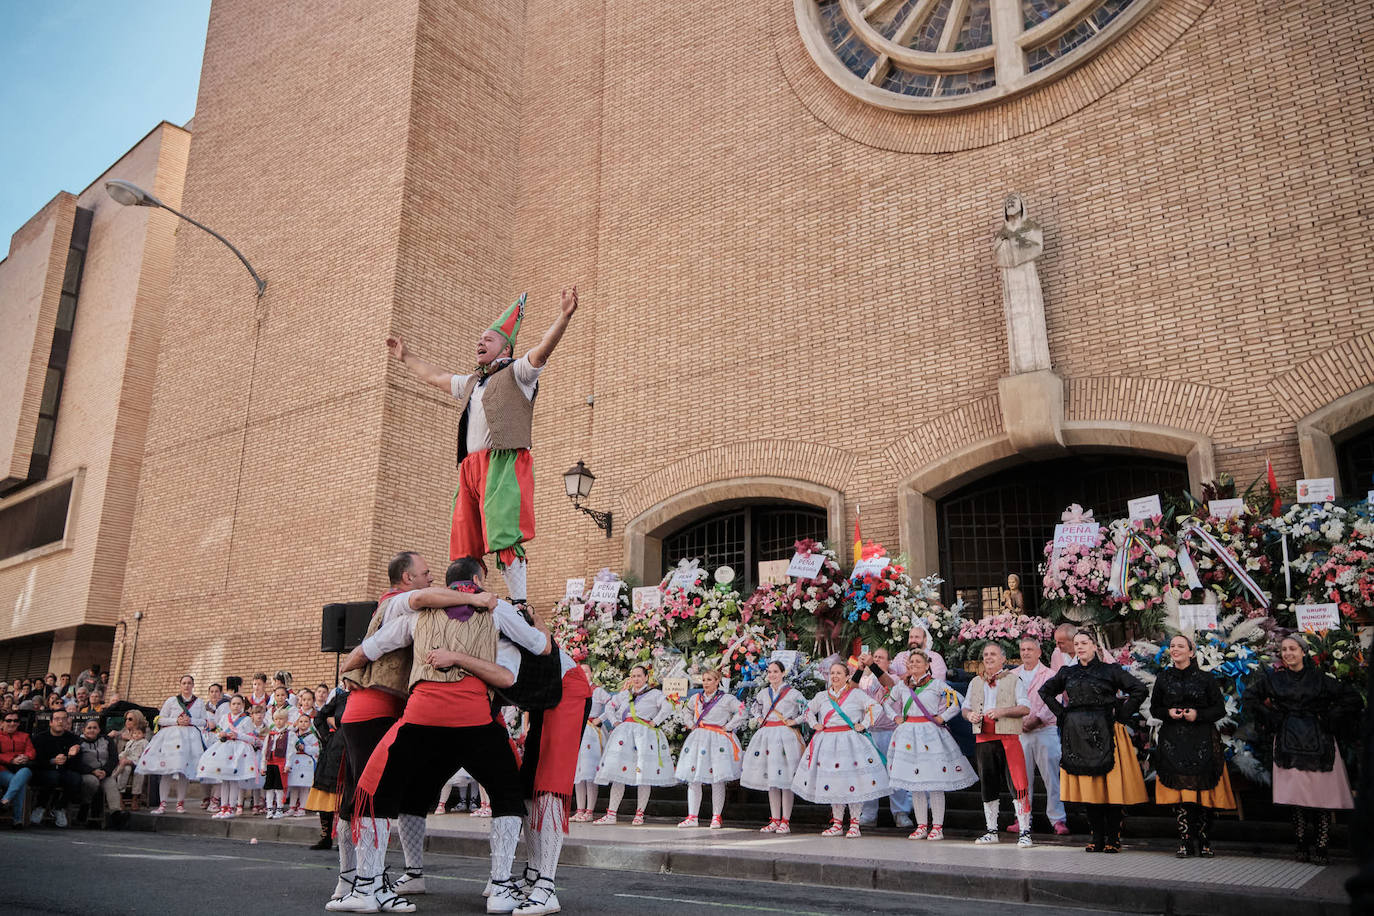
[707,707]
[926,712]
[463,612]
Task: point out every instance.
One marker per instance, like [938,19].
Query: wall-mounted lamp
[578,482]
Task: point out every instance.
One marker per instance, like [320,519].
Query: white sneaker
[988,839]
[409,885]
[342,888]
[1025,841]
[59,817]
[36,817]
[388,901]
[353,902]
[505,897]
[540,901]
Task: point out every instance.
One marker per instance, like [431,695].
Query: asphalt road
[92,873]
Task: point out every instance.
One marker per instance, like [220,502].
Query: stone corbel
[1033,412]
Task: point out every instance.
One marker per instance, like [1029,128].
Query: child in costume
[300,766]
[922,756]
[637,753]
[257,795]
[711,754]
[128,760]
[775,751]
[232,761]
[463,782]
[841,766]
[275,752]
[589,755]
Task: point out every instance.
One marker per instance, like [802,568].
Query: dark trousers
[360,739]
[57,788]
[423,757]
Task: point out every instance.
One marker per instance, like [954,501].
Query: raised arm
[424,370]
[447,597]
[544,349]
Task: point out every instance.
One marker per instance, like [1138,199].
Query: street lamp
[577,481]
[131,195]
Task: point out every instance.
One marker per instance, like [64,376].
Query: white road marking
[724,906]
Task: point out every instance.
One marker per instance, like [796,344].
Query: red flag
[1273,488]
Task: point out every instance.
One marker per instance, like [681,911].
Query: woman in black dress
[323,791]
[1189,762]
[1097,760]
[1303,707]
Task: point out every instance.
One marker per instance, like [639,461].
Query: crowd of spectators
[75,741]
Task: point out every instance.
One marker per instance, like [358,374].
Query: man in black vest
[493,506]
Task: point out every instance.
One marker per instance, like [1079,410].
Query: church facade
[782,220]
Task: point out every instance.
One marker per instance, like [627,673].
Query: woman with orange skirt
[1097,762]
[1189,761]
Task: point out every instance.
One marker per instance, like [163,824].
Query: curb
[1127,895]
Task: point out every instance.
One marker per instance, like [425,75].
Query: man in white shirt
[1040,735]
[493,506]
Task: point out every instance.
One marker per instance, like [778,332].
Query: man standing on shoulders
[1040,736]
[493,505]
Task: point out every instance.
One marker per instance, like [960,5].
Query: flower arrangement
[1074,578]
[1005,630]
[943,624]
[1331,556]
[815,604]
[1243,536]
[887,593]
[1147,555]
[923,603]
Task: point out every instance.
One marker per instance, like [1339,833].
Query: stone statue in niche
[1013,602]
[1016,247]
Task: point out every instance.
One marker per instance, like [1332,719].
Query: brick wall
[755,281]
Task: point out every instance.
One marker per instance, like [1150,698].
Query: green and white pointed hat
[508,325]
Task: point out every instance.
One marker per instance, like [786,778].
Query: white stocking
[837,813]
[580,790]
[592,790]
[854,810]
[787,799]
[505,836]
[617,793]
[515,579]
[1023,814]
[644,797]
[412,830]
[717,798]
[990,814]
[348,859]
[371,847]
[937,808]
[693,798]
[549,837]
[443,795]
[775,803]
[919,809]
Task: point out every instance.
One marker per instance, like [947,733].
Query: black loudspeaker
[343,625]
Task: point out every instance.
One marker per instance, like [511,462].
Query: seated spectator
[82,700]
[64,686]
[16,762]
[98,700]
[55,772]
[7,703]
[96,763]
[36,700]
[216,699]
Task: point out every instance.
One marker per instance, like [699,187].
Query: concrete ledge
[826,864]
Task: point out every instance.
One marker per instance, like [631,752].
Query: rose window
[941,55]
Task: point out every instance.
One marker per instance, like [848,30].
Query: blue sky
[80,83]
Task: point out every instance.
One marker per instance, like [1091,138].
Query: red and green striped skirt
[493,505]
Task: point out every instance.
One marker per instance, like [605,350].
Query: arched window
[744,536]
[999,524]
[1355,456]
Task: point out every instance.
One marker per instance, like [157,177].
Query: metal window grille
[742,538]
